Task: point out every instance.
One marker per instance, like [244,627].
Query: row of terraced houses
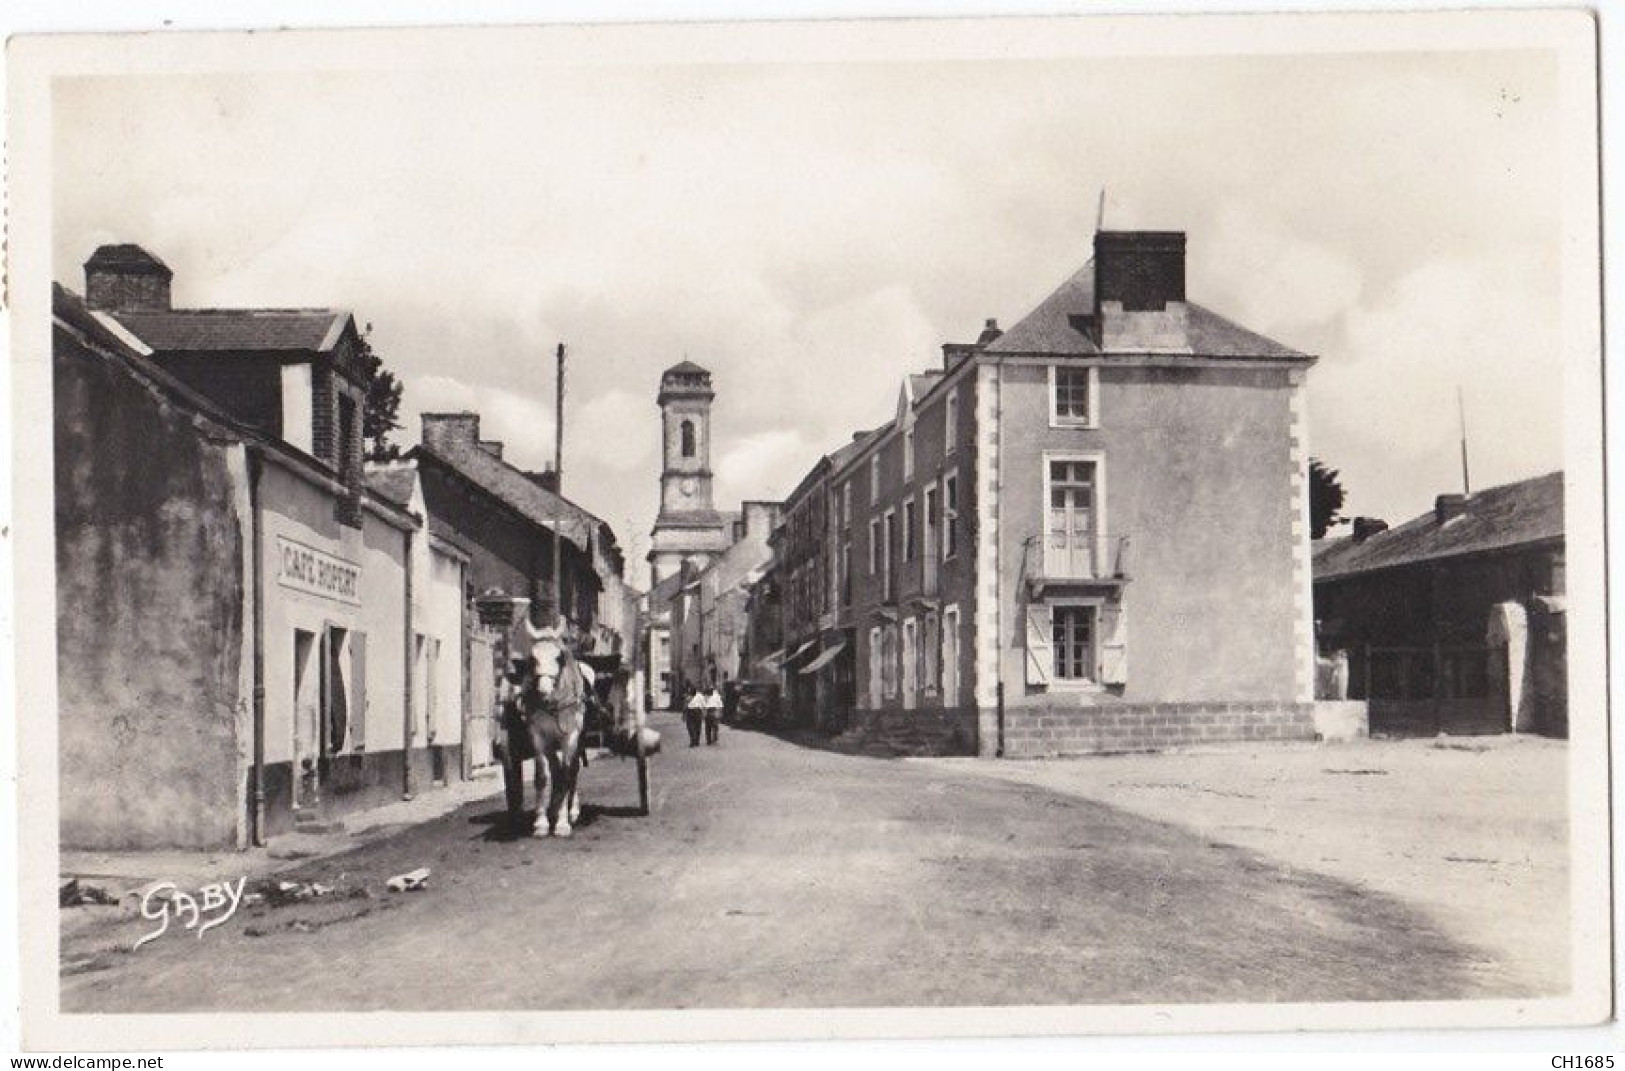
[257,630]
[1088,532]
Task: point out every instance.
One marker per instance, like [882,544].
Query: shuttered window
[1038,645]
[358,669]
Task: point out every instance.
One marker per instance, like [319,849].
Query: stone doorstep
[128,874]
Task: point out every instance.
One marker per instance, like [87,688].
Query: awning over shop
[824,659]
[803,649]
[771,662]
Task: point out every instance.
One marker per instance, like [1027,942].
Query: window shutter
[1113,644]
[1040,657]
[358,666]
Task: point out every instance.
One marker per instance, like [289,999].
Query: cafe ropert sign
[315,573]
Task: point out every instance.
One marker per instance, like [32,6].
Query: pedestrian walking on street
[713,714]
[693,715]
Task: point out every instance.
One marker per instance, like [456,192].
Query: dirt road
[777,875]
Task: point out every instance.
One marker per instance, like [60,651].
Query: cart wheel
[643,782]
[513,787]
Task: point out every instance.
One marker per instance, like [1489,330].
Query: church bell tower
[689,527]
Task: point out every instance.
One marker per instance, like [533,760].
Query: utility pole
[558,490]
[1461,411]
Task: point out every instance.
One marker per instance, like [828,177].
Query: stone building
[1121,456]
[812,550]
[507,517]
[239,640]
[710,623]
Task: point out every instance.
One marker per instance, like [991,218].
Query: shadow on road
[500,828]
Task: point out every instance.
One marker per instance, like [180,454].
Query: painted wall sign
[315,573]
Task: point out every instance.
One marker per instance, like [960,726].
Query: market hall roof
[1497,518]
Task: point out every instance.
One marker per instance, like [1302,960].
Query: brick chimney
[119,277]
[1366,527]
[444,430]
[1448,507]
[1140,292]
[1140,270]
[954,352]
[546,479]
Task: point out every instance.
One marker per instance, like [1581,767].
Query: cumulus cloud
[1384,406]
[755,466]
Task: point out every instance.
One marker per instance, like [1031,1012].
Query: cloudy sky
[813,232]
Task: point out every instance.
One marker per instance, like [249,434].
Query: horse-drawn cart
[612,723]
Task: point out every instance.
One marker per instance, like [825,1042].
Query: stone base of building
[1032,731]
[914,732]
[1342,720]
[358,782]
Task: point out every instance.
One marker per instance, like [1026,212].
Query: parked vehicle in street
[758,704]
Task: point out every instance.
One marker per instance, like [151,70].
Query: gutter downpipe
[998,539]
[256,543]
[406,691]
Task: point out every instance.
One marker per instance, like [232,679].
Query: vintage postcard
[908,528]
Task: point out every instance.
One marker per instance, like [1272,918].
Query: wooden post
[558,489]
[1438,688]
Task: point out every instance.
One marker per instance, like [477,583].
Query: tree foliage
[383,406]
[1326,496]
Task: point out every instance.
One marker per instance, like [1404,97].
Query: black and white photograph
[879,528]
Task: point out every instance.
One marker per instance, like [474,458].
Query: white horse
[552,704]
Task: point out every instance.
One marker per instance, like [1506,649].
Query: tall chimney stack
[126,277]
[1141,270]
[445,430]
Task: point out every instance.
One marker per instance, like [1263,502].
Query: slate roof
[70,309]
[920,382]
[843,455]
[1497,518]
[394,483]
[1061,325]
[660,595]
[236,330]
[697,518]
[512,487]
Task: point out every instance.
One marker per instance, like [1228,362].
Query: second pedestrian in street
[693,715]
[713,714]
